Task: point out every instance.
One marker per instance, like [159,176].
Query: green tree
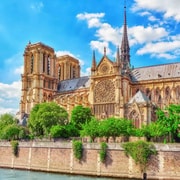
[6,119]
[65,131]
[13,132]
[9,129]
[170,118]
[91,129]
[80,115]
[154,130]
[114,127]
[45,115]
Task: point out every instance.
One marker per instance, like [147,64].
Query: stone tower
[39,80]
[67,67]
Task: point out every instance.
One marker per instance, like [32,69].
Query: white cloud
[108,34]
[141,34]
[87,72]
[10,90]
[93,19]
[169,8]
[19,70]
[161,49]
[100,46]
[8,110]
[10,97]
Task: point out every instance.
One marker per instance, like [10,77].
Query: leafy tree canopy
[80,115]
[170,118]
[6,119]
[45,115]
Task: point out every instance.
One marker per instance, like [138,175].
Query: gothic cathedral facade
[112,89]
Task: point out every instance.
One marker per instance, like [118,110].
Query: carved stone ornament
[104,68]
[104,91]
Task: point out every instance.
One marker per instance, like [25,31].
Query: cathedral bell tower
[39,82]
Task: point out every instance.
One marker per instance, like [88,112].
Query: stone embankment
[58,157]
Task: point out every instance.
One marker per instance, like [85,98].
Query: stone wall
[58,157]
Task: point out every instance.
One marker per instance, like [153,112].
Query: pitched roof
[73,84]
[156,72]
[139,97]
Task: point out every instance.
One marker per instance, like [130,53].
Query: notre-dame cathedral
[112,89]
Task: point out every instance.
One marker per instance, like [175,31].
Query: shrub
[103,152]
[78,149]
[140,151]
[15,147]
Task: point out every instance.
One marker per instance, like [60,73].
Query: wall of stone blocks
[58,157]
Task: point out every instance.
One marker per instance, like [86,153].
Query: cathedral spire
[93,68]
[125,55]
[118,61]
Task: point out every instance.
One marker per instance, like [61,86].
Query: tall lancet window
[48,65]
[59,73]
[32,63]
[44,62]
[74,72]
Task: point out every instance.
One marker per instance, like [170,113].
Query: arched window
[148,93]
[135,117]
[44,97]
[158,96]
[167,93]
[59,73]
[177,92]
[32,63]
[74,72]
[48,65]
[44,62]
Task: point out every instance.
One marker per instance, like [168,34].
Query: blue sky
[77,27]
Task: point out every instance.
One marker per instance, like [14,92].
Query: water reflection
[12,174]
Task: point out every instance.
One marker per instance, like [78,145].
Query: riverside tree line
[49,120]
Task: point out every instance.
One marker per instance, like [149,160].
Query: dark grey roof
[156,72]
[73,84]
[139,97]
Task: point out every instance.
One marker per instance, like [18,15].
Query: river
[13,174]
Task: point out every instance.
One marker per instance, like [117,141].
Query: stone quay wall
[58,157]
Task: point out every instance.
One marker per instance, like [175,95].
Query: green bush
[103,152]
[15,147]
[140,151]
[78,149]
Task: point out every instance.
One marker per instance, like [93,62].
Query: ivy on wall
[15,147]
[140,151]
[77,149]
[103,152]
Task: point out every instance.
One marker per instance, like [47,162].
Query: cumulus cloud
[99,46]
[169,8]
[160,49]
[93,19]
[10,97]
[141,34]
[105,33]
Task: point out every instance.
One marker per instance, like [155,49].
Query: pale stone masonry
[112,89]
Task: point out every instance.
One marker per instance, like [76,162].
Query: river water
[12,174]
